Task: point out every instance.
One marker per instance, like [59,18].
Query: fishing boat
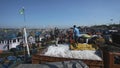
[110,55]
[66,52]
[9,44]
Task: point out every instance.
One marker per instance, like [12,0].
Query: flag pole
[25,33]
[24,15]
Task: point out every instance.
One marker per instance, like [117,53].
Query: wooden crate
[109,59]
[38,59]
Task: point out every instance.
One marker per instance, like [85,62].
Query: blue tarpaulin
[12,58]
[37,33]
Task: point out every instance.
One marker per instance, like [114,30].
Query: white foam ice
[62,50]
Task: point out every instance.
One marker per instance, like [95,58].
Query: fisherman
[56,35]
[76,33]
[56,32]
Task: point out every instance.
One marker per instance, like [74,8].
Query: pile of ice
[62,50]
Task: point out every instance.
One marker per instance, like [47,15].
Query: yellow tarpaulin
[84,46]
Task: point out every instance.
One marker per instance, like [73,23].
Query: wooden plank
[42,59]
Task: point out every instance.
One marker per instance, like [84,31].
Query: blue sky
[62,13]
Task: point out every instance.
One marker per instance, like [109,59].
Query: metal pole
[25,34]
[24,15]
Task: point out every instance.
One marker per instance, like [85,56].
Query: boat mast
[26,42]
[25,34]
[24,29]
